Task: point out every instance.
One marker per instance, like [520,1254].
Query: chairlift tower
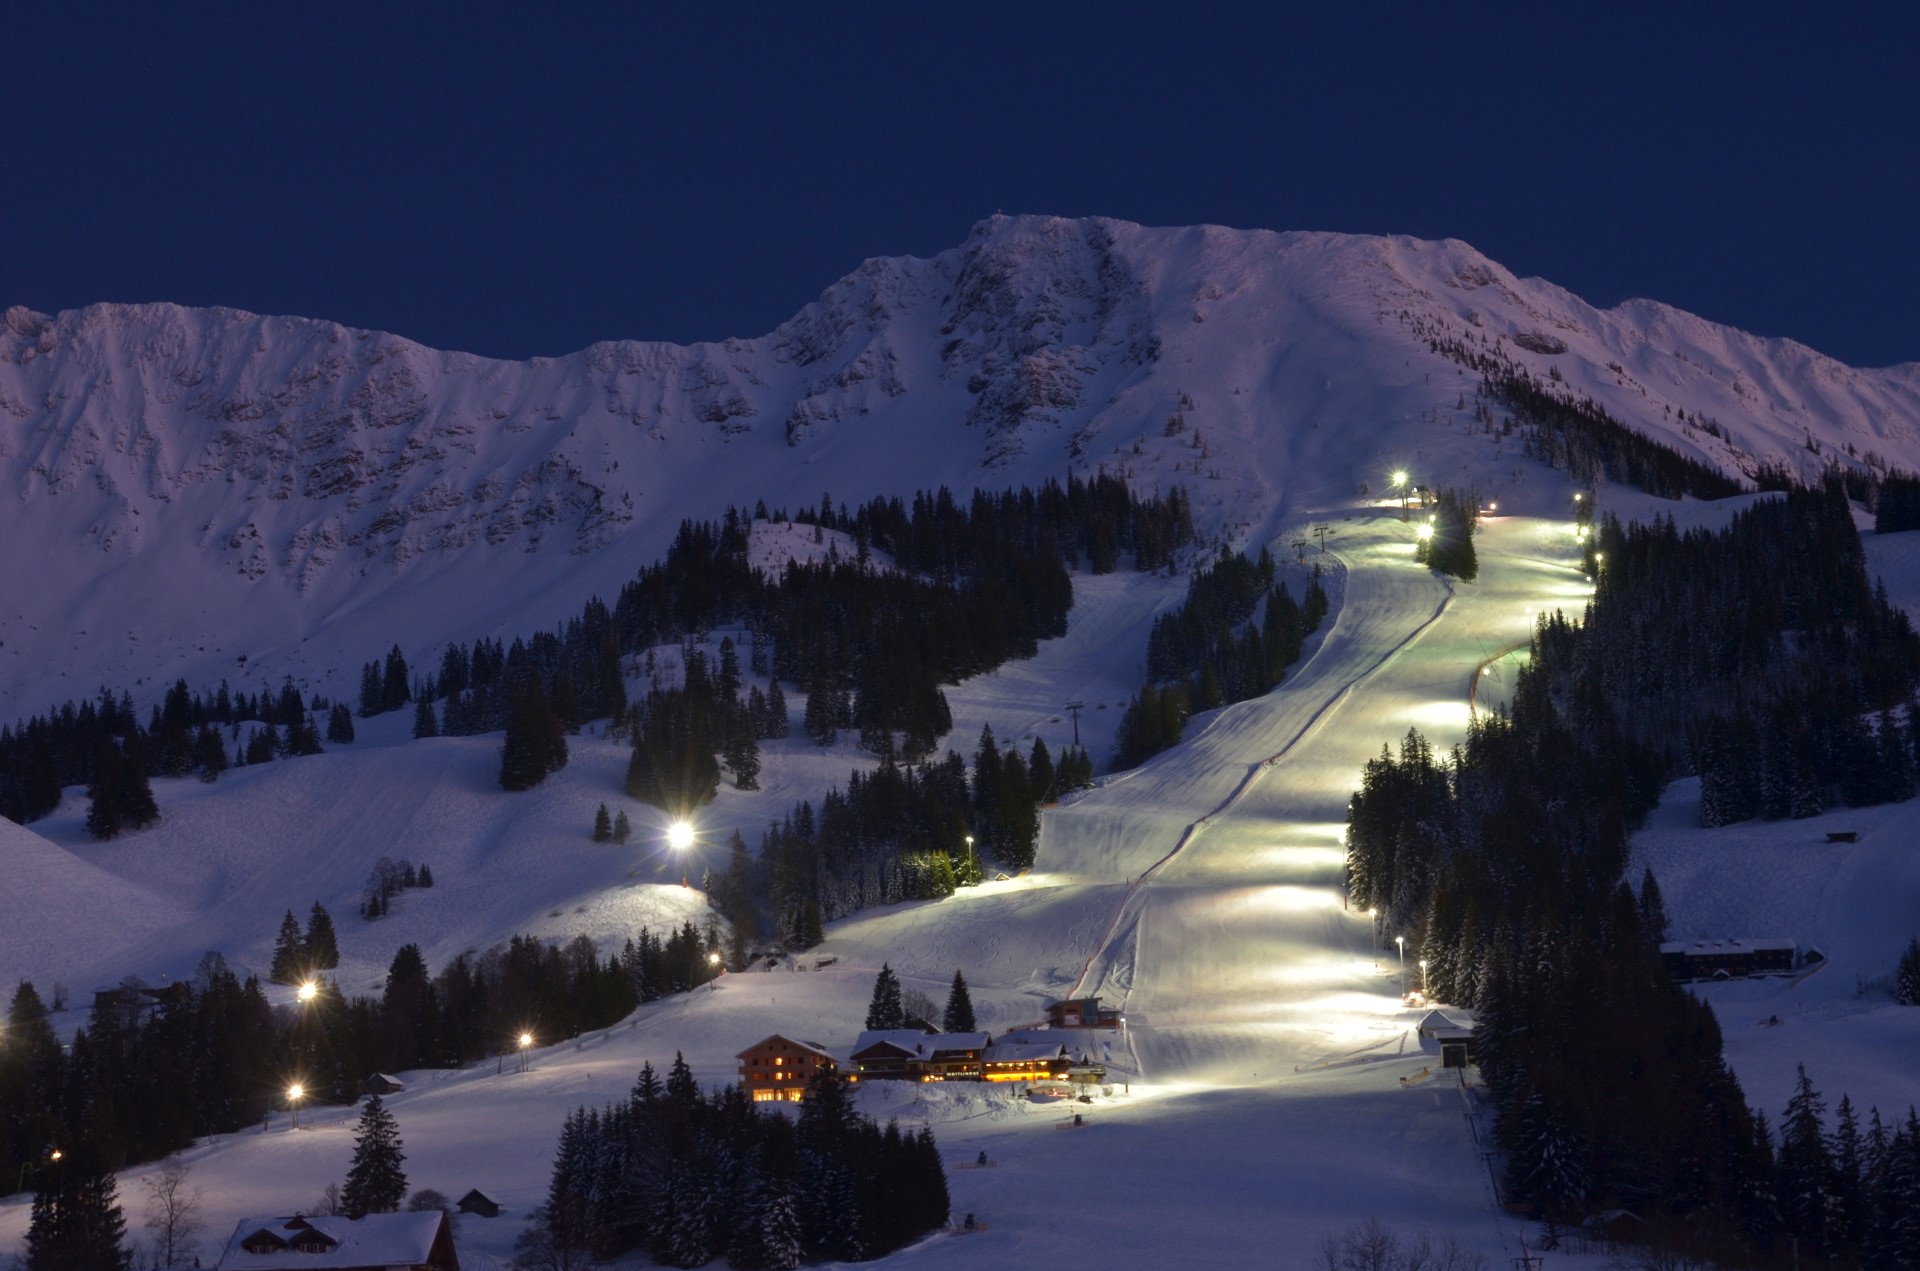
[1075,707]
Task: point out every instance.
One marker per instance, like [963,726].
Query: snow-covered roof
[376,1240]
[816,1047]
[909,1040]
[1710,948]
[956,1041]
[1434,1022]
[1003,1052]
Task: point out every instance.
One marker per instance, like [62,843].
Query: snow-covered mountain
[211,493]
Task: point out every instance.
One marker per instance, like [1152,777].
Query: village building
[1022,1060]
[1082,1012]
[779,1068]
[907,1054]
[478,1202]
[383,1084]
[1454,1039]
[1731,959]
[374,1242]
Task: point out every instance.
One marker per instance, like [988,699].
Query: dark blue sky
[523,183]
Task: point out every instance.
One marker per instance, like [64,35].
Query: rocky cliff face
[250,481]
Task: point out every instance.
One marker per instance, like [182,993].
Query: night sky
[516,183]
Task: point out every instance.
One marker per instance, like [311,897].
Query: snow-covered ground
[1265,1042]
[210,494]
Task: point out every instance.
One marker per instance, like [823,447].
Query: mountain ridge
[299,482]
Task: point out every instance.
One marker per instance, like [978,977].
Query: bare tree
[173,1212]
[542,1247]
[329,1202]
[1374,1246]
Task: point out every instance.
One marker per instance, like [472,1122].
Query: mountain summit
[201,491]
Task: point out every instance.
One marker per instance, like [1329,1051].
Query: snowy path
[1230,949]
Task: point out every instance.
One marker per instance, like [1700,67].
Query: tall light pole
[973,863]
[713,961]
[680,839]
[526,1040]
[53,1156]
[295,1093]
[1402,942]
[1423,977]
[1373,916]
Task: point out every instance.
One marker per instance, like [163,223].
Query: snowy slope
[210,493]
[1262,1104]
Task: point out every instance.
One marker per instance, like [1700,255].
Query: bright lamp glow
[526,1040]
[680,835]
[296,1092]
[1399,478]
[309,990]
[1424,531]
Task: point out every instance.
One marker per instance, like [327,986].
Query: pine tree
[371,702]
[779,722]
[339,725]
[958,1017]
[289,964]
[424,723]
[76,1222]
[602,825]
[1652,907]
[1042,774]
[622,828]
[886,1011]
[103,793]
[375,1183]
[321,946]
[1906,976]
[743,753]
[1805,1170]
[395,690]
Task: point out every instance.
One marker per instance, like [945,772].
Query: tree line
[1209,652]
[102,745]
[153,1069]
[689,1177]
[900,832]
[1506,858]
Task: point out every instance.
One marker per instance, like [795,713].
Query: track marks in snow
[1130,899]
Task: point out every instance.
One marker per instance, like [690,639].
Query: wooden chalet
[779,1068]
[1082,1012]
[907,1054]
[478,1202]
[382,1084]
[1020,1059]
[1730,959]
[375,1242]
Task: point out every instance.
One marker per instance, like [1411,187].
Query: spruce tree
[1906,976]
[622,828]
[1804,1168]
[886,1011]
[958,1017]
[602,825]
[371,702]
[289,953]
[76,1222]
[424,723]
[1652,907]
[375,1182]
[103,793]
[339,725]
[395,690]
[322,947]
